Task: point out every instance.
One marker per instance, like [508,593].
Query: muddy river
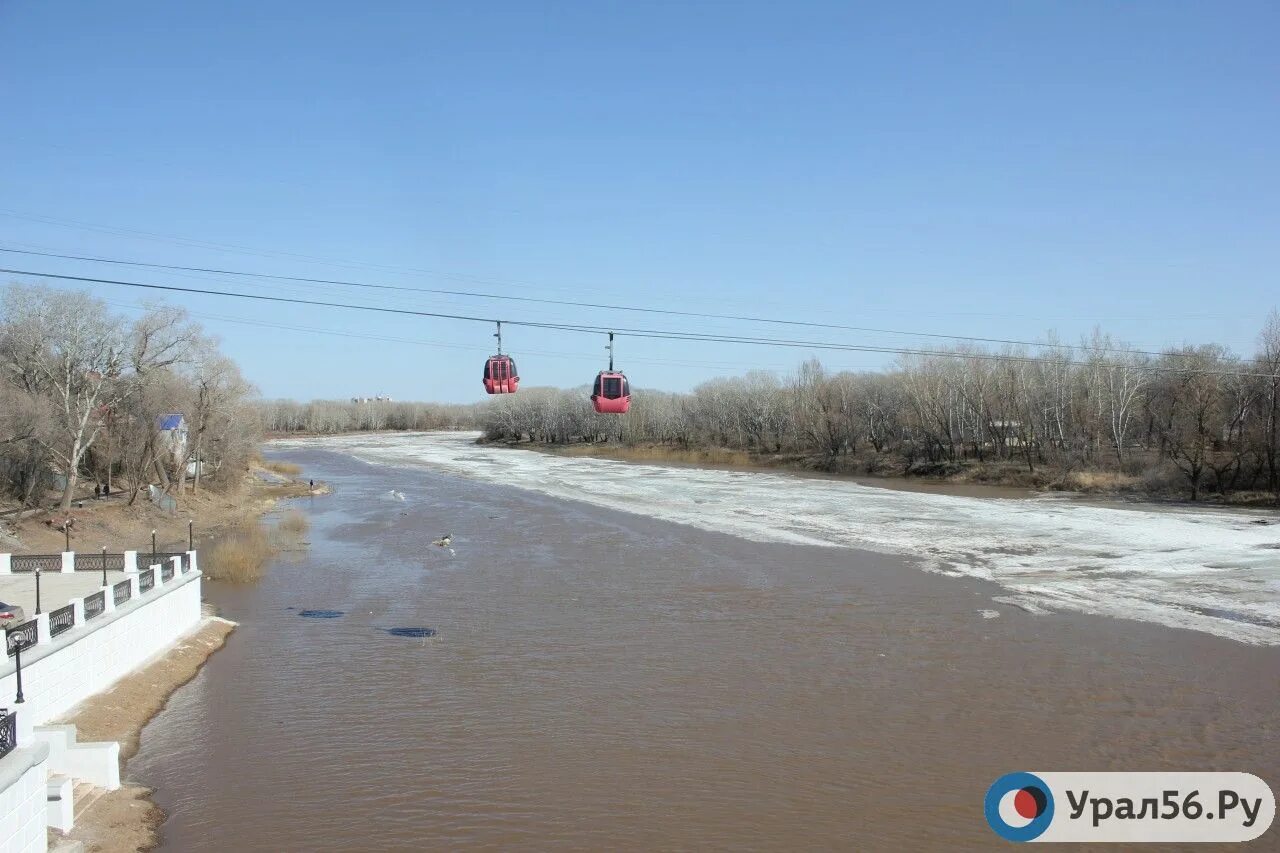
[601,678]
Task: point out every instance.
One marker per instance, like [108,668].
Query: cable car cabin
[611,394]
[500,375]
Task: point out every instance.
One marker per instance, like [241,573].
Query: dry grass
[294,522]
[1253,499]
[1099,481]
[240,556]
[288,469]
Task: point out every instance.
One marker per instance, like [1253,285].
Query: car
[11,615]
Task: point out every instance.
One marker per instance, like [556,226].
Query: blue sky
[989,169]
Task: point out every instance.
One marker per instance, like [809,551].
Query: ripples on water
[604,680]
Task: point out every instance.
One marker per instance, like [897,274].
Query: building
[172,430]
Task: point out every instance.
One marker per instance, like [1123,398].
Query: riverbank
[885,470]
[126,820]
[114,523]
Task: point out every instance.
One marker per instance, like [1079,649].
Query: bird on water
[444,541]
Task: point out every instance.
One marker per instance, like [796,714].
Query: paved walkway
[56,589]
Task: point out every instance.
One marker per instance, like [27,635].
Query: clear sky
[990,169]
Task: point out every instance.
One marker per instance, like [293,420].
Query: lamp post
[104,565]
[153,546]
[17,662]
[37,590]
[191,534]
[66,531]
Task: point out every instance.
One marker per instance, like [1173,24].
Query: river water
[607,678]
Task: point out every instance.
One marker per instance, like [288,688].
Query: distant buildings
[372,400]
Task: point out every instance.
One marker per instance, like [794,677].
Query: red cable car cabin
[500,375]
[611,394]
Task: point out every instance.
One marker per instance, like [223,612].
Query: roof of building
[175,421]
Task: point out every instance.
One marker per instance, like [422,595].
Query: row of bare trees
[327,417]
[82,391]
[1199,416]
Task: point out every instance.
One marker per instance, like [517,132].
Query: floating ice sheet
[1210,570]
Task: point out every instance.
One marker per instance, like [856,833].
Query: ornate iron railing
[166,572]
[30,562]
[22,636]
[8,731]
[121,592]
[91,562]
[95,605]
[164,559]
[146,580]
[61,620]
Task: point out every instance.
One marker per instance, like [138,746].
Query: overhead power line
[657,334]
[474,294]
[191,242]
[345,333]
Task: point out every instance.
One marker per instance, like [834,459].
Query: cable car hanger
[611,393]
[500,374]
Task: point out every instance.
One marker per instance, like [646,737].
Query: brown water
[607,680]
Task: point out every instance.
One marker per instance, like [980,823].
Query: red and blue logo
[1019,806]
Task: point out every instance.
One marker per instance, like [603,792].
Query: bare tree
[63,346]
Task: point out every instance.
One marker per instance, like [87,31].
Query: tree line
[331,417]
[82,391]
[1195,418]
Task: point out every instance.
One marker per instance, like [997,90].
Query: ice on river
[1209,570]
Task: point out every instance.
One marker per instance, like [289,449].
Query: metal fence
[164,559]
[61,620]
[22,636]
[91,562]
[26,635]
[95,605]
[31,562]
[8,731]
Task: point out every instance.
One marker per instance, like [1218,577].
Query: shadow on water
[411,632]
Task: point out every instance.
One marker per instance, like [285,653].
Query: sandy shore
[126,820]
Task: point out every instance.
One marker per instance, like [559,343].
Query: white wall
[91,657]
[24,800]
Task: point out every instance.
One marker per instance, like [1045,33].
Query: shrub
[294,522]
[288,469]
[240,556]
[1099,481]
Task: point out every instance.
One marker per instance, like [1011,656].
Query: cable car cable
[671,312]
[637,333]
